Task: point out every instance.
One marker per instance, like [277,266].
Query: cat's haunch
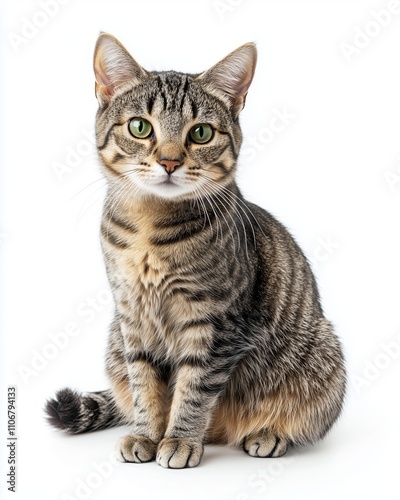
[218,334]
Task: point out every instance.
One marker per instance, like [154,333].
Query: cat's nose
[169,165]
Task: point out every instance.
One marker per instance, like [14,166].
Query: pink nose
[169,165]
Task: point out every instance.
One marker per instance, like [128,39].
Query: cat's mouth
[168,181]
[168,186]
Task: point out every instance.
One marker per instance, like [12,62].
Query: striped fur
[75,413]
[218,335]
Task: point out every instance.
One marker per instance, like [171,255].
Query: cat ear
[233,75]
[113,67]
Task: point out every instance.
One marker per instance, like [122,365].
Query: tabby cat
[218,335]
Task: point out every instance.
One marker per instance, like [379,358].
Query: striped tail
[75,413]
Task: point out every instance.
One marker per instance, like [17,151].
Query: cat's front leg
[196,392]
[148,411]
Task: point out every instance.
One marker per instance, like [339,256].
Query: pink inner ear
[104,84]
[242,86]
[101,78]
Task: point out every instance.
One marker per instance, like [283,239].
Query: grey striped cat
[218,335]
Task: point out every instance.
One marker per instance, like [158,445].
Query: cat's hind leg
[266,429]
[265,444]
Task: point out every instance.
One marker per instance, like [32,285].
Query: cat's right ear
[113,67]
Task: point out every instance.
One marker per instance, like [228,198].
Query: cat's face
[169,134]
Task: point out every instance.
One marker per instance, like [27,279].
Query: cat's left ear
[231,77]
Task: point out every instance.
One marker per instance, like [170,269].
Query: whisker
[245,207]
[84,208]
[221,200]
[207,215]
[88,186]
[218,223]
[241,205]
[116,202]
[237,211]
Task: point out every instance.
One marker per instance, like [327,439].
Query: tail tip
[64,410]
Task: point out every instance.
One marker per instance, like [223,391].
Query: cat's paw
[265,444]
[136,449]
[175,453]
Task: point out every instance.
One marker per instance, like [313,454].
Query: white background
[329,175]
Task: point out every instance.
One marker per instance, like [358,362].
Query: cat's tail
[75,413]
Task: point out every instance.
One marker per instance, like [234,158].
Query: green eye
[201,133]
[140,128]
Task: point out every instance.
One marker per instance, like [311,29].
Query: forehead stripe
[150,104]
[194,107]
[184,92]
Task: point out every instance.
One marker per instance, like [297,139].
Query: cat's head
[169,134]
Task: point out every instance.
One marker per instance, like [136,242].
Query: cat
[218,335]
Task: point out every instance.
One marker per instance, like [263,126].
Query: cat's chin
[169,190]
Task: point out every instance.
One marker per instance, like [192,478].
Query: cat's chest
[160,295]
[137,266]
[150,287]
[156,304]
